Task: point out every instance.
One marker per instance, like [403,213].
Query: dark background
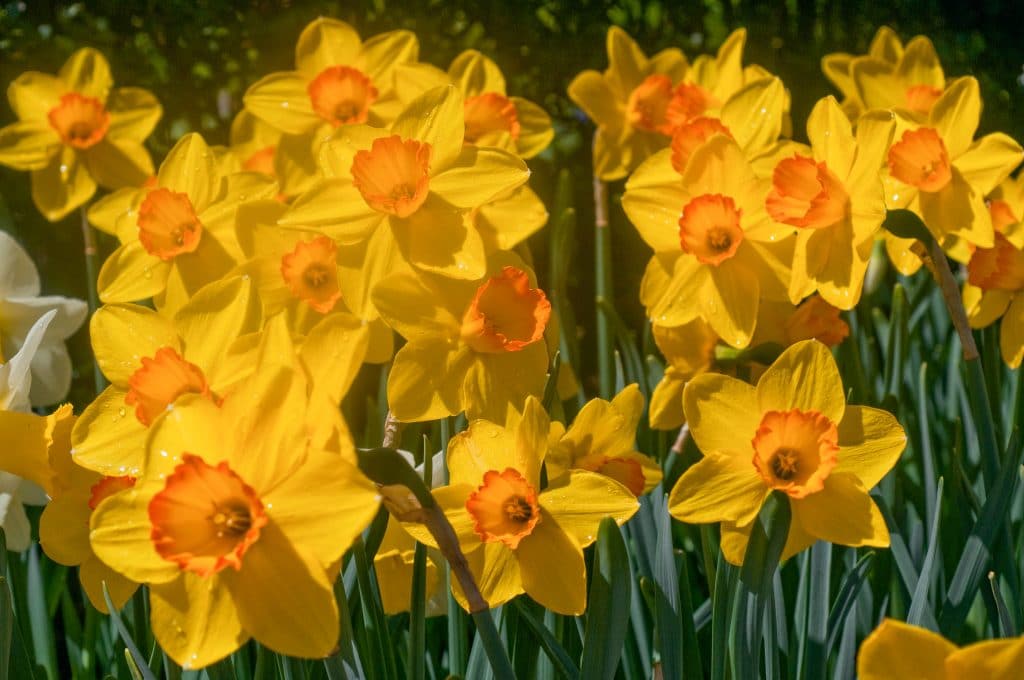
[199,57]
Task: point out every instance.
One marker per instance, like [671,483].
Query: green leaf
[554,651]
[849,588]
[609,602]
[122,630]
[906,224]
[815,652]
[919,602]
[44,647]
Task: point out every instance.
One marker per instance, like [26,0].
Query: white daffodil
[21,306]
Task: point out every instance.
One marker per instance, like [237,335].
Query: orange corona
[647,108]
[160,381]
[806,194]
[921,160]
[342,95]
[488,114]
[168,224]
[506,314]
[794,451]
[311,272]
[393,175]
[709,228]
[80,121]
[504,508]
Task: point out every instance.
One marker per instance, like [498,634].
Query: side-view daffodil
[885,47]
[908,79]
[792,433]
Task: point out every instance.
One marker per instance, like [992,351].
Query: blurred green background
[199,57]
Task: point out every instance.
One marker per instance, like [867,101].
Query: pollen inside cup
[107,487]
[393,175]
[160,381]
[504,508]
[921,160]
[205,517]
[506,314]
[692,134]
[488,116]
[80,121]
[806,194]
[168,224]
[998,268]
[921,98]
[709,228]
[342,95]
[647,107]
[688,101]
[261,161]
[311,273]
[626,472]
[794,451]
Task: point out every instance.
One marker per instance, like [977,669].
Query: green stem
[603,288]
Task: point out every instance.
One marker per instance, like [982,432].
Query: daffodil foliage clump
[344,422]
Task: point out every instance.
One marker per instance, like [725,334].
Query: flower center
[1002,215]
[794,451]
[261,161]
[689,101]
[921,98]
[311,272]
[921,160]
[107,487]
[692,134]
[80,121]
[998,268]
[342,95]
[168,225]
[160,381]
[504,508]
[710,228]
[628,473]
[489,115]
[506,314]
[806,194]
[816,319]
[647,107]
[393,175]
[206,517]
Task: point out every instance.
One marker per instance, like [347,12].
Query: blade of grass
[846,598]
[923,590]
[609,602]
[554,651]
[820,573]
[44,647]
[126,637]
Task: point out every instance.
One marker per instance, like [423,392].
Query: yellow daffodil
[937,169]
[791,433]
[517,536]
[899,650]
[692,349]
[239,522]
[404,192]
[393,566]
[21,306]
[307,276]
[492,117]
[885,47]
[907,79]
[835,198]
[152,360]
[474,346]
[75,130]
[253,148]
[178,235]
[602,439]
[716,251]
[637,103]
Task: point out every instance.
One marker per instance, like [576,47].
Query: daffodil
[907,79]
[602,439]
[885,47]
[995,276]
[404,192]
[21,307]
[637,103]
[900,650]
[152,360]
[517,536]
[306,275]
[393,566]
[239,522]
[835,198]
[253,148]
[792,433]
[716,250]
[938,170]
[692,349]
[473,346]
[75,130]
[178,235]
[492,117]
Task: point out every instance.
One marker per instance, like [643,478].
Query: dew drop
[120,413]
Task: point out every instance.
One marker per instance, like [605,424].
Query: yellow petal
[1011,333]
[654,201]
[719,488]
[627,64]
[190,168]
[28,145]
[729,301]
[130,273]
[957,210]
[482,447]
[994,659]
[326,42]
[93,574]
[124,333]
[984,307]
[474,74]
[591,92]
[62,185]
[438,239]
[426,379]
[108,437]
[956,114]
[803,377]
[870,441]
[886,45]
[535,132]
[115,164]
[729,64]
[666,410]
[215,317]
[281,101]
[87,72]
[754,114]
[336,208]
[899,650]
[735,538]
[989,161]
[333,351]
[496,571]
[421,308]
[64,528]
[120,536]
[667,288]
[842,513]
[134,113]
[831,136]
[478,176]
[33,94]
[558,584]
[836,67]
[194,426]
[877,86]
[582,499]
[496,383]
[384,51]
[722,412]
[435,117]
[509,220]
[195,620]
